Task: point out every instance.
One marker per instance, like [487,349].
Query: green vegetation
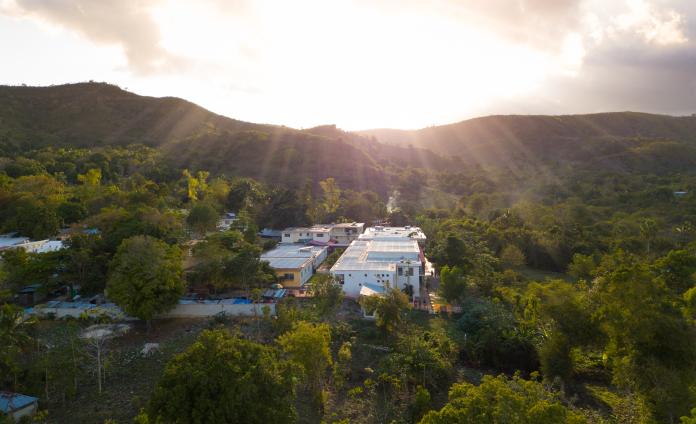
[223,379]
[558,241]
[502,400]
[145,277]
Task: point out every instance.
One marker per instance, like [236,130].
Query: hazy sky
[365,63]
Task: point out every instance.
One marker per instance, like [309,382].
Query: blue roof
[13,401]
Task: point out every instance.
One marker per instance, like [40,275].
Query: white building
[345,233]
[38,246]
[17,406]
[226,221]
[380,233]
[336,234]
[369,266]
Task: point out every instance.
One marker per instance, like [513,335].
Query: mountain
[619,140]
[93,115]
[96,115]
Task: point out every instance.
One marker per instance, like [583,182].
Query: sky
[364,64]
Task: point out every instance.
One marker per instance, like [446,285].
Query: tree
[582,266]
[247,270]
[389,308]
[492,337]
[91,178]
[328,294]
[244,194]
[224,379]
[422,358]
[284,209]
[500,400]
[677,268]
[512,256]
[331,195]
[341,368]
[555,358]
[650,345]
[648,230]
[145,277]
[202,218]
[453,284]
[308,345]
[14,339]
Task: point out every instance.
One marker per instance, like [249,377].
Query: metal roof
[10,402]
[364,255]
[293,251]
[389,233]
[287,263]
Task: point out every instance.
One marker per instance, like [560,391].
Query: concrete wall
[27,411]
[211,309]
[182,310]
[354,280]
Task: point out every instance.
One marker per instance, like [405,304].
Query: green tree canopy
[224,379]
[389,309]
[145,277]
[502,400]
[308,344]
[202,218]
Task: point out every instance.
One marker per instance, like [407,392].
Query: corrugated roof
[13,401]
[293,251]
[286,263]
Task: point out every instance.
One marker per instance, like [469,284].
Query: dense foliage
[565,251]
[224,379]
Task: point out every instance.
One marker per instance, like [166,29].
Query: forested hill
[98,115]
[616,140]
[95,115]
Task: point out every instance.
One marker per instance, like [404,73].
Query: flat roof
[364,255]
[51,246]
[287,263]
[349,225]
[405,246]
[293,250]
[12,241]
[326,227]
[380,232]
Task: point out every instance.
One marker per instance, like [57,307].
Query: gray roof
[286,263]
[364,255]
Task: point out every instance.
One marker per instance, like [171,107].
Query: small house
[17,406]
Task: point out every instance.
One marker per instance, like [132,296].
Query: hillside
[94,115]
[621,140]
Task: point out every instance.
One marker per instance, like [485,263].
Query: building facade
[380,264]
[337,234]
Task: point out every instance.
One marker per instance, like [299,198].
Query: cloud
[317,60]
[127,23]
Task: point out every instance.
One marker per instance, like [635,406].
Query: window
[365,275]
[320,235]
[288,276]
[401,271]
[287,235]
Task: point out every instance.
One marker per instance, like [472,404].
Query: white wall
[179,311]
[353,280]
[27,411]
[208,310]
